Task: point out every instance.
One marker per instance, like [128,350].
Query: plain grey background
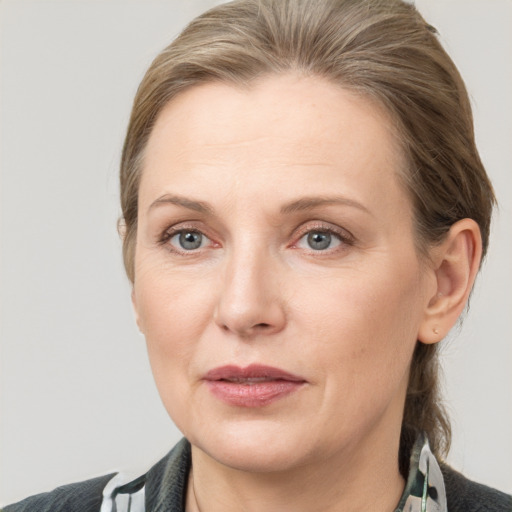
[77,397]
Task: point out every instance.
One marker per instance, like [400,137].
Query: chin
[254,447]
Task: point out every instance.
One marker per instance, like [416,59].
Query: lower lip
[257,394]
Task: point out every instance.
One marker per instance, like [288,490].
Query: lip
[253,386]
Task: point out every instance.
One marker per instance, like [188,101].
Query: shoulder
[77,497]
[162,487]
[166,481]
[464,495]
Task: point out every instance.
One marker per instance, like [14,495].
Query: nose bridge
[249,299]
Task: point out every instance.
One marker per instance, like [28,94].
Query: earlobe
[456,261]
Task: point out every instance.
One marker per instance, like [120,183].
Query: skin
[229,163]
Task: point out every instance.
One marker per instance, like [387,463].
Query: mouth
[253,386]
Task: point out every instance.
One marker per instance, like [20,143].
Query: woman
[304,215]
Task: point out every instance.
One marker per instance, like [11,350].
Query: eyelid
[346,238]
[327,227]
[171,231]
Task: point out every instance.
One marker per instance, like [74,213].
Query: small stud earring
[436,331]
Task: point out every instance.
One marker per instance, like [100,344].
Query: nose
[250,301]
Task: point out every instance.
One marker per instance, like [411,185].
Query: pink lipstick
[253,386]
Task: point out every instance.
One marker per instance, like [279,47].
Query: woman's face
[276,277]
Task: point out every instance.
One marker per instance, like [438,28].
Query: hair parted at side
[382,49]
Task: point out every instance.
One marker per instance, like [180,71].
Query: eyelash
[345,238]
[170,233]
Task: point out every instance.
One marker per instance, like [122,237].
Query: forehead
[285,122]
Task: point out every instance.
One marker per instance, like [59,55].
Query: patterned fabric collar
[423,492]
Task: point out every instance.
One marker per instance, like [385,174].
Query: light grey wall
[76,396]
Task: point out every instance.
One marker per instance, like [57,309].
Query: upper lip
[254,371]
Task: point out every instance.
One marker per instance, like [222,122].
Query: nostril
[248,332]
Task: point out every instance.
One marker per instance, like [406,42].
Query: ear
[121,227]
[455,264]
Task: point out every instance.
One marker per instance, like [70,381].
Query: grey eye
[319,240]
[188,240]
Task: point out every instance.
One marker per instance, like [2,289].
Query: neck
[351,481]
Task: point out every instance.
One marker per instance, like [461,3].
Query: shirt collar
[424,490]
[164,486]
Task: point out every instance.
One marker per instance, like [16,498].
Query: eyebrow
[190,204]
[309,203]
[303,204]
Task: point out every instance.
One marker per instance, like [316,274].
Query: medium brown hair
[382,49]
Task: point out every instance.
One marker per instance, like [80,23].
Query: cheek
[173,314]
[173,310]
[363,323]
